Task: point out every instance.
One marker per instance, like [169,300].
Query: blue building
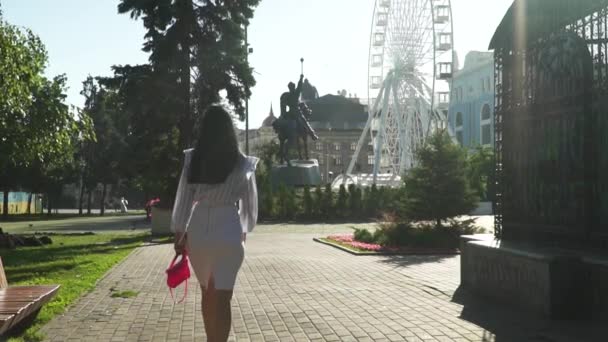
[471,109]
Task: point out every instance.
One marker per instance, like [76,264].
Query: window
[486,135]
[459,128]
[486,113]
[353,146]
[338,161]
[486,125]
[371,160]
[337,146]
[459,120]
[377,60]
[460,138]
[319,146]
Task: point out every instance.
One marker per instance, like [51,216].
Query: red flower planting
[349,240]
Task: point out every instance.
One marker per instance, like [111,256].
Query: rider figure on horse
[292,125]
[291,100]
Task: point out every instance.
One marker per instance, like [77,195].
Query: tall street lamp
[248,50]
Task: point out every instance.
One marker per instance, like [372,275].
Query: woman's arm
[182,206]
[249,202]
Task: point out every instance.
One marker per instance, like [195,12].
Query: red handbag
[178,273]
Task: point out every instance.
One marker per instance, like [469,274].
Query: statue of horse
[300,136]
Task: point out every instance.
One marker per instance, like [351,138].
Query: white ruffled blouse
[240,186]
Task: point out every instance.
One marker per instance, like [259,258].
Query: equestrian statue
[292,127]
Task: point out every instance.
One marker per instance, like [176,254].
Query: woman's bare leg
[209,303]
[223,314]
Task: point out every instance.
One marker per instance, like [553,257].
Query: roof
[542,17]
[474,61]
[269,119]
[337,110]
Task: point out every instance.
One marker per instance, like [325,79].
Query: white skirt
[215,245]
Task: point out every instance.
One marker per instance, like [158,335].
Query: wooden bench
[20,304]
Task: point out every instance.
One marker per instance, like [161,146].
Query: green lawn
[76,262]
[71,224]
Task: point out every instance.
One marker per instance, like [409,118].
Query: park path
[293,289]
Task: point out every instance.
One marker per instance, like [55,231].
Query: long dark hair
[217,151]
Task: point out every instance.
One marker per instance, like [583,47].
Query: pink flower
[349,239]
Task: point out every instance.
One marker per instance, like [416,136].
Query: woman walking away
[215,207]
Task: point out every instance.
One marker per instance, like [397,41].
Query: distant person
[123,205]
[216,175]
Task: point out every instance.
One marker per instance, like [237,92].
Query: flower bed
[348,241]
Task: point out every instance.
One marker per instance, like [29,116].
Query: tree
[107,155]
[197,51]
[37,128]
[327,202]
[341,202]
[318,201]
[437,189]
[354,201]
[307,203]
[287,202]
[22,61]
[371,201]
[480,172]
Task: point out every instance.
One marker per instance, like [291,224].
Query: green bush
[327,203]
[341,202]
[355,202]
[405,234]
[317,200]
[363,235]
[307,203]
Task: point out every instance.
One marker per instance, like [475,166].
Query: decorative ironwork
[551,120]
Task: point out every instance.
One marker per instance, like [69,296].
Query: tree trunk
[29,204]
[89,200]
[438,223]
[48,204]
[81,199]
[5,205]
[102,201]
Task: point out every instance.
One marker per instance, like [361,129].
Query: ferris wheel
[411,56]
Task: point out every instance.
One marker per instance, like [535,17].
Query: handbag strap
[185,293]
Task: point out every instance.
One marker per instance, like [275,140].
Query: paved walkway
[293,289]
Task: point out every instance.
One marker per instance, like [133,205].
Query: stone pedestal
[161,221]
[300,173]
[554,283]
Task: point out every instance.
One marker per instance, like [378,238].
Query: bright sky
[88,36]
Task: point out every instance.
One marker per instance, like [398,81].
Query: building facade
[339,122]
[258,137]
[471,112]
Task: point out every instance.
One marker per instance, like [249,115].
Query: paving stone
[293,289]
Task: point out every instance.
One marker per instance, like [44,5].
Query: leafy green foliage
[341,202]
[307,203]
[355,204]
[407,234]
[364,235]
[480,173]
[286,199]
[438,189]
[39,133]
[317,200]
[327,202]
[371,201]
